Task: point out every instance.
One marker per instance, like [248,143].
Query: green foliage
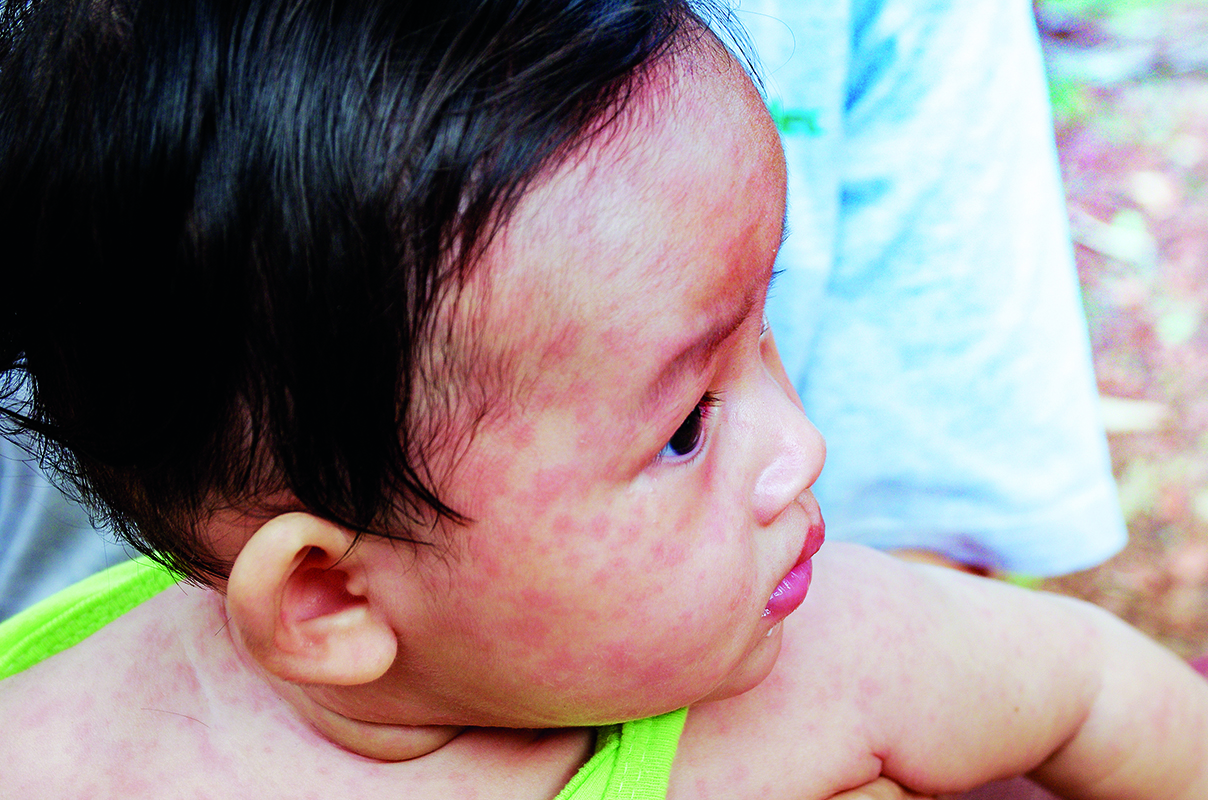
[1071,100]
[1023,581]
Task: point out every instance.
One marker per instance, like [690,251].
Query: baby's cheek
[531,629]
[548,490]
[670,564]
[669,554]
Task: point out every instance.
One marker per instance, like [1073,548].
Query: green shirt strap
[632,761]
[74,614]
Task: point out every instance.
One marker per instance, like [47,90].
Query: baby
[427,340]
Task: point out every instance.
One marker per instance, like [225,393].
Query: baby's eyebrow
[692,357]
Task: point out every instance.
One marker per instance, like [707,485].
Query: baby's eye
[688,438]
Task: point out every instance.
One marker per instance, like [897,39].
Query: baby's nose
[797,452]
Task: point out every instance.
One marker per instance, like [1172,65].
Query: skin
[606,576]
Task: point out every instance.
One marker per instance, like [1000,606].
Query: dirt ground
[1130,88]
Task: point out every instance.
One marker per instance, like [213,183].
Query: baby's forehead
[615,251]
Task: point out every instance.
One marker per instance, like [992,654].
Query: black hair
[226,227]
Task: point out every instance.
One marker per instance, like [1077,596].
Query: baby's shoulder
[90,720]
[58,741]
[157,705]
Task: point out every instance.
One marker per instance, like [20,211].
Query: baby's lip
[791,591]
[814,540]
[816,534]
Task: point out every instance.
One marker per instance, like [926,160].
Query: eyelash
[764,326]
[693,429]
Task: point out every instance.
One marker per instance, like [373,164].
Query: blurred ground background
[1129,81]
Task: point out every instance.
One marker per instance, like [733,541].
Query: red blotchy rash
[543,396]
[670,554]
[604,575]
[490,470]
[632,529]
[558,389]
[776,681]
[184,679]
[520,435]
[538,600]
[563,524]
[487,566]
[870,687]
[719,529]
[599,526]
[127,782]
[868,691]
[531,632]
[564,342]
[619,660]
[631,533]
[618,341]
[657,673]
[739,775]
[547,485]
[229,665]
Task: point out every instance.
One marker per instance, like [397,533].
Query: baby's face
[643,492]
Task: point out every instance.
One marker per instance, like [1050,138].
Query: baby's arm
[1128,718]
[943,682]
[1146,733]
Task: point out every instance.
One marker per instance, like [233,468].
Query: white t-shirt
[928,309]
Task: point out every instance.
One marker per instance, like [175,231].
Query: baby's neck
[381,741]
[260,713]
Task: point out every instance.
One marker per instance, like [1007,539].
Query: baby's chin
[753,670]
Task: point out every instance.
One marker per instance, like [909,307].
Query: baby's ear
[300,603]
